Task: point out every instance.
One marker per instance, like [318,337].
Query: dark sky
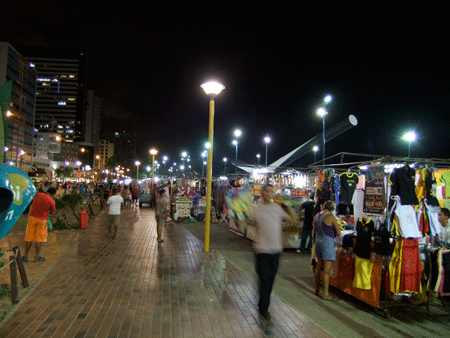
[386,65]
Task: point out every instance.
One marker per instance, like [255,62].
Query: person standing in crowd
[36,232]
[307,227]
[114,202]
[326,228]
[126,195]
[134,195]
[268,217]
[161,205]
[283,191]
[443,217]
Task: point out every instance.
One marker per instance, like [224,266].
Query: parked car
[145,198]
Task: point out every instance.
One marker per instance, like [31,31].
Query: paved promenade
[134,287]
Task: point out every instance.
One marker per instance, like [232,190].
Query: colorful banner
[374,193]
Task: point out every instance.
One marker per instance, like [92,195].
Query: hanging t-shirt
[358,204]
[348,186]
[337,189]
[445,178]
[402,180]
[364,231]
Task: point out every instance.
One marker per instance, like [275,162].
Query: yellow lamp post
[212,89]
[137,164]
[153,152]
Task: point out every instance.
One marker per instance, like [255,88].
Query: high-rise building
[125,147]
[94,112]
[20,130]
[105,151]
[61,90]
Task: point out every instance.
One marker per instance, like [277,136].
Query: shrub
[60,204]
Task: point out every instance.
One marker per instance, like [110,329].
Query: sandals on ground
[39,259]
[330,298]
[25,259]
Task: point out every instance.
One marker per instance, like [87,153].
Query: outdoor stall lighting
[267,141]
[410,137]
[212,89]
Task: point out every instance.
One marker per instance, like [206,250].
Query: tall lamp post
[258,156]
[204,154]
[212,89]
[267,141]
[137,164]
[235,143]
[322,112]
[237,134]
[410,137]
[315,149]
[153,152]
[225,166]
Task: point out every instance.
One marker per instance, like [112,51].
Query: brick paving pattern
[134,287]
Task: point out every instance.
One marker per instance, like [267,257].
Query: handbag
[166,213]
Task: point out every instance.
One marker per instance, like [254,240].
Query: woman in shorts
[326,228]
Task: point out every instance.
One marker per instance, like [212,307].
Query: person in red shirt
[42,204]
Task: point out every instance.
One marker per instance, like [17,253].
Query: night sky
[386,65]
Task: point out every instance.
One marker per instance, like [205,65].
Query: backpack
[135,191]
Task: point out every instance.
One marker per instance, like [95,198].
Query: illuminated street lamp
[153,152]
[315,149]
[204,154]
[267,141]
[258,156]
[212,89]
[236,142]
[225,165]
[137,164]
[322,112]
[410,137]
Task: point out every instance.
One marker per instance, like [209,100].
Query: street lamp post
[410,137]
[153,152]
[235,142]
[204,154]
[267,141]
[315,149]
[322,112]
[258,156]
[237,134]
[225,166]
[137,164]
[212,89]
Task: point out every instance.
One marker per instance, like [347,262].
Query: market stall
[389,207]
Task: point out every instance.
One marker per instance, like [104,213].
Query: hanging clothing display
[402,181]
[348,185]
[363,274]
[405,268]
[364,231]
[405,222]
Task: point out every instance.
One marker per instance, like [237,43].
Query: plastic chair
[224,216]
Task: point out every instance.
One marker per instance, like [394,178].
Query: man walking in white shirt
[114,202]
[268,217]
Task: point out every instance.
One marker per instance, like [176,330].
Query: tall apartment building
[125,147]
[94,111]
[60,106]
[20,130]
[60,92]
[105,151]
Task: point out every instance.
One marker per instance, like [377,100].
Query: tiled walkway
[134,287]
